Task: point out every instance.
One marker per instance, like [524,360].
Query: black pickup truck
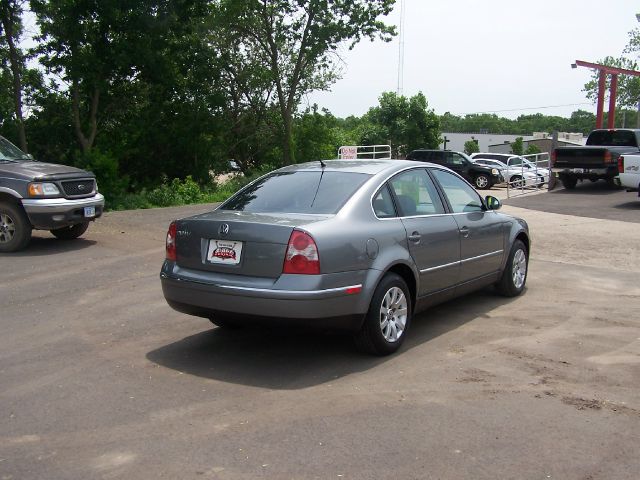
[43,196]
[598,159]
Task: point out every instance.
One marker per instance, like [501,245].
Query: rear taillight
[620,164]
[607,157]
[553,157]
[171,242]
[302,255]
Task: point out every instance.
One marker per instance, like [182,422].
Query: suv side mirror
[492,203]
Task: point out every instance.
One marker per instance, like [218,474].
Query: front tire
[388,319]
[514,276]
[482,182]
[15,228]
[72,232]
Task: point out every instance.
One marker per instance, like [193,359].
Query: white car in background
[516,162]
[512,174]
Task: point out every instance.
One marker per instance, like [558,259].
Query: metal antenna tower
[401,49]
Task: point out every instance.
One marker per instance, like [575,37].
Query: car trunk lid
[241,243]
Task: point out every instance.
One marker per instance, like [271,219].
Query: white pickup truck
[629,172]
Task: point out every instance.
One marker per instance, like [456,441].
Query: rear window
[297,192]
[616,138]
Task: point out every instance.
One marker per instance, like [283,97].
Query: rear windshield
[616,138]
[297,192]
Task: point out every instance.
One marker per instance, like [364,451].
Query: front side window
[416,193]
[297,192]
[462,197]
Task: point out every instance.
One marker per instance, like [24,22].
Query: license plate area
[89,212]
[225,252]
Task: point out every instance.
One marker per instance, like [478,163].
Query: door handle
[464,231]
[415,237]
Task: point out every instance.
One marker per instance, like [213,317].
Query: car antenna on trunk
[323,164]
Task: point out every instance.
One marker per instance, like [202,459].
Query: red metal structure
[613,89]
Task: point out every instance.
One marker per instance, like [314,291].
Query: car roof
[371,167]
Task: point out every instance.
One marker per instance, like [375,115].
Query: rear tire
[72,232]
[514,276]
[569,182]
[388,319]
[15,228]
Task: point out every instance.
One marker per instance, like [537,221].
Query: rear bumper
[579,172]
[334,307]
[52,213]
[631,181]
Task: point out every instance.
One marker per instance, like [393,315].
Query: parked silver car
[359,245]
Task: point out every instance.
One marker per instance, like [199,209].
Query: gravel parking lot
[101,379]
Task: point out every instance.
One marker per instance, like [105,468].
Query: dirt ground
[99,378]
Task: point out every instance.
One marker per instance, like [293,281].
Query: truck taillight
[607,157]
[302,255]
[171,242]
[620,164]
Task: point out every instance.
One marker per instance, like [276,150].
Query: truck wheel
[15,228]
[72,232]
[389,316]
[514,275]
[482,182]
[569,182]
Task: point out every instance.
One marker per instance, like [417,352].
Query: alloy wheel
[519,269]
[7,228]
[393,314]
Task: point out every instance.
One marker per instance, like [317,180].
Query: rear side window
[297,192]
[616,138]
[416,193]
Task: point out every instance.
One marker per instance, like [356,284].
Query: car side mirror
[492,203]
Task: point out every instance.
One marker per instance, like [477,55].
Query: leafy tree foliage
[471,146]
[12,59]
[517,146]
[404,123]
[296,43]
[628,86]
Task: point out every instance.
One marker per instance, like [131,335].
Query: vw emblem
[224,229]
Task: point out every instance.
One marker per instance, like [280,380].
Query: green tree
[532,149]
[517,146]
[628,86]
[471,146]
[404,123]
[297,41]
[11,55]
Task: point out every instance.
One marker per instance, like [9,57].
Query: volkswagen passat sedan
[359,245]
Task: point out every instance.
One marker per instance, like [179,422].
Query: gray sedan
[358,245]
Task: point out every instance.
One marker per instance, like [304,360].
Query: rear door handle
[415,237]
[464,231]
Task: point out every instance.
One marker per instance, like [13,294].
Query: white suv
[515,168]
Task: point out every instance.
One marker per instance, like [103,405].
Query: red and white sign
[349,153]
